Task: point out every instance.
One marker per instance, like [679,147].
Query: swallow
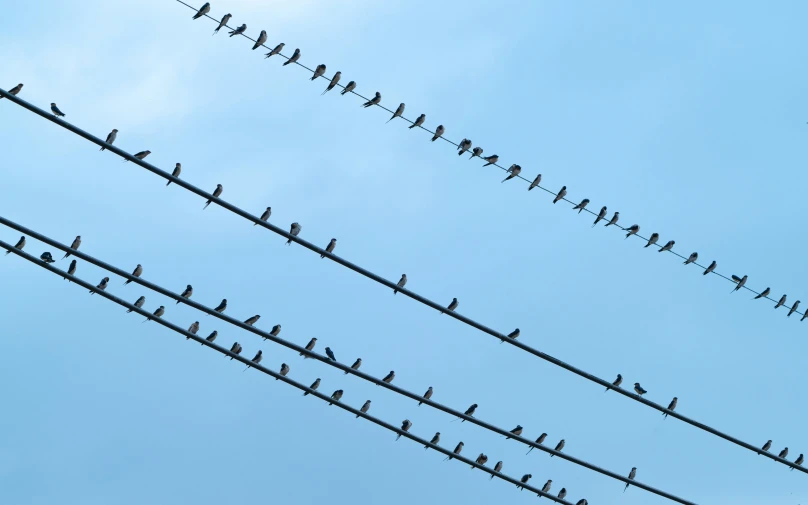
[313,387]
[438,132]
[671,406]
[364,408]
[668,246]
[562,494]
[210,338]
[389,377]
[631,475]
[189,290]
[581,206]
[464,146]
[470,411]
[582,502]
[101,285]
[74,246]
[491,160]
[13,91]
[356,365]
[558,447]
[138,303]
[614,219]
[216,193]
[497,468]
[763,294]
[110,138]
[236,349]
[330,354]
[539,441]
[798,461]
[617,382]
[265,215]
[401,282]
[19,245]
[783,454]
[193,329]
[457,450]
[561,194]
[261,39]
[427,395]
[780,302]
[766,447]
[256,359]
[803,316]
[638,389]
[513,335]
[692,258]
[275,330]
[632,230]
[202,11]
[221,307]
[294,58]
[740,280]
[601,215]
[330,247]
[309,346]
[418,121]
[526,477]
[333,83]
[252,320]
[72,268]
[435,440]
[275,51]
[710,268]
[546,488]
[223,22]
[482,459]
[336,395]
[513,171]
[318,72]
[350,87]
[284,369]
[452,306]
[404,426]
[652,240]
[399,111]
[293,231]
[56,111]
[157,313]
[373,101]
[47,257]
[140,155]
[477,151]
[238,31]
[516,431]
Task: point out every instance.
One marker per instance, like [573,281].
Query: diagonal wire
[323,359]
[277,376]
[587,210]
[370,275]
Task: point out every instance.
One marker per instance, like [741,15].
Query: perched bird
[72,268]
[614,219]
[427,395]
[294,230]
[74,246]
[692,258]
[631,475]
[140,155]
[157,313]
[418,121]
[223,22]
[318,72]
[313,387]
[638,389]
[477,151]
[261,39]
[202,11]
[13,91]
[561,194]
[176,172]
[668,246]
[539,441]
[514,334]
[238,31]
[333,83]
[438,132]
[491,159]
[275,330]
[562,494]
[56,111]
[671,406]
[516,431]
[189,290]
[212,336]
[257,358]
[435,440]
[482,459]
[19,245]
[284,369]
[216,193]
[617,382]
[526,477]
[373,101]
[783,454]
[452,306]
[633,229]
[558,447]
[780,302]
[763,294]
[535,183]
[405,426]
[138,303]
[601,215]
[236,349]
[470,411]
[252,320]
[652,240]
[710,268]
[101,285]
[804,315]
[350,87]
[740,280]
[110,138]
[330,247]
[464,146]
[193,328]
[336,395]
[581,206]
[389,377]
[222,306]
[310,346]
[265,215]
[330,354]
[546,488]
[356,365]
[582,502]
[456,451]
[513,171]
[798,461]
[497,468]
[401,282]
[275,51]
[364,408]
[399,111]
[294,58]
[47,257]
[766,447]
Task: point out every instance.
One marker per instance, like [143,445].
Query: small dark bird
[252,320]
[671,406]
[284,369]
[265,215]
[101,285]
[470,411]
[189,290]
[539,441]
[19,245]
[135,273]
[356,365]
[763,294]
[176,172]
[202,11]
[617,382]
[47,257]
[74,246]
[336,395]
[516,431]
[798,461]
[364,408]
[330,354]
[236,349]
[256,359]
[638,389]
[558,447]
[313,387]
[513,335]
[766,447]
[389,377]
[630,477]
[216,194]
[457,450]
[710,268]
[56,111]
[72,268]
[526,477]
[405,426]
[330,247]
[427,395]
[783,454]
[310,346]
[452,306]
[222,306]
[212,336]
[497,468]
[435,440]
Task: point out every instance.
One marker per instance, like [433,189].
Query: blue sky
[689,120]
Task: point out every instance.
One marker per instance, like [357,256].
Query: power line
[277,376]
[495,164]
[348,370]
[370,275]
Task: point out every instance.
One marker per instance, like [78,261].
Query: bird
[671,406]
[212,336]
[275,51]
[401,283]
[456,451]
[238,31]
[356,365]
[110,138]
[157,313]
[652,240]
[202,11]
[13,91]
[710,268]
[261,39]
[539,441]
[330,354]
[614,219]
[275,330]
[452,306]
[512,171]
[783,453]
[562,494]
[435,440]
[638,389]
[601,215]
[364,408]
[189,290]
[294,58]
[310,346]
[236,349]
[427,395]
[464,146]
[56,111]
[222,306]
[47,257]
[766,447]
[497,468]
[482,459]
[223,22]
[72,268]
[389,377]
[558,447]
[781,302]
[668,246]
[470,411]
[265,215]
[582,501]
[216,193]
[633,229]
[526,477]
[631,475]
[560,194]
[399,111]
[546,488]
[491,160]
[101,285]
[798,461]
[330,247]
[257,358]
[581,206]
[617,382]
[318,72]
[740,280]
[313,387]
[350,87]
[404,426]
[19,245]
[294,230]
[175,172]
[535,183]
[252,320]
[373,101]
[439,131]
[74,246]
[284,369]
[336,395]
[334,81]
[418,121]
[138,303]
[763,293]
[477,151]
[804,315]
[193,329]
[514,334]
[692,258]
[140,155]
[516,431]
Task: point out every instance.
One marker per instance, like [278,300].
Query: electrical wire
[323,359]
[370,275]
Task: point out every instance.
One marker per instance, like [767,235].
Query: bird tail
[394,291]
[128,311]
[528,452]
[624,489]
[313,77]
[472,155]
[102,148]
[489,163]
[705,272]
[324,92]
[593,224]
[419,403]
[66,255]
[492,478]
[579,210]
[412,126]
[288,241]
[461,152]
[248,366]
[286,62]
[392,118]
[206,205]
[434,139]
[8,252]
[147,320]
[215,31]
[399,436]
[169,182]
[343,91]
